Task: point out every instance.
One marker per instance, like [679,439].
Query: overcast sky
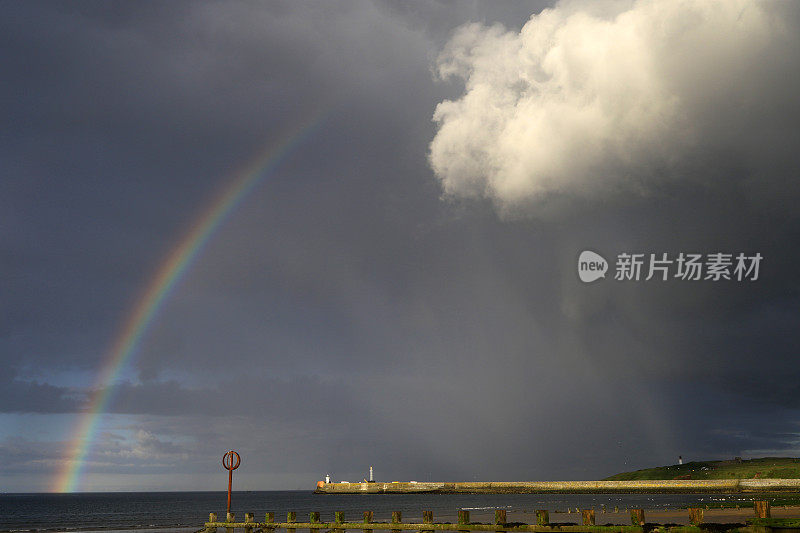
[402,290]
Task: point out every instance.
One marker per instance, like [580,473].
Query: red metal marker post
[230,461]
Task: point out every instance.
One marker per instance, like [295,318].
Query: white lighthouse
[327,478]
[370,475]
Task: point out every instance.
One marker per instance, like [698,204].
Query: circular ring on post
[231,460]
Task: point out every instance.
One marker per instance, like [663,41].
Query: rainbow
[161,286]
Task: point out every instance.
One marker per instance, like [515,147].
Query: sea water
[186,512]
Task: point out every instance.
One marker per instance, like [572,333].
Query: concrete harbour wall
[575,487]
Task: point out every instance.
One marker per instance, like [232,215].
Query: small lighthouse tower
[327,478]
[370,475]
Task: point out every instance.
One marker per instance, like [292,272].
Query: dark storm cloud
[126,122]
[29,397]
[345,314]
[306,398]
[26,456]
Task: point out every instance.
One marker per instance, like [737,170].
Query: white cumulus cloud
[597,98]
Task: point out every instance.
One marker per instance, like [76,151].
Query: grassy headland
[763,468]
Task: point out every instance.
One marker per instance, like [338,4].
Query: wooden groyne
[760,523]
[668,486]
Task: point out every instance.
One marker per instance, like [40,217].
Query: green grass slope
[763,468]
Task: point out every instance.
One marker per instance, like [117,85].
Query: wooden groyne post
[397,518]
[542,517]
[368,520]
[291,517]
[427,518]
[588,517]
[463,519]
[695,516]
[637,517]
[762,509]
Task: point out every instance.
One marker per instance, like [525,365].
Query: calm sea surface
[187,511]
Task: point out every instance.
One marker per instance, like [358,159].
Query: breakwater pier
[761,522]
[671,486]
